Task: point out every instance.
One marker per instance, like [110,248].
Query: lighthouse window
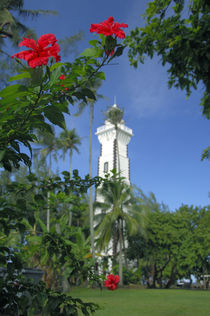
[106,167]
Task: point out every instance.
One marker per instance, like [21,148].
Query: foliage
[28,107]
[69,141]
[10,26]
[117,200]
[94,85]
[114,115]
[130,275]
[20,296]
[173,246]
[206,154]
[115,218]
[178,32]
[50,251]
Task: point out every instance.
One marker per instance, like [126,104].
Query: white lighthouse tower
[114,138]
[111,158]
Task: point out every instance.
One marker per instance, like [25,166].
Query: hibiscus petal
[116,279]
[25,54]
[46,40]
[37,62]
[110,20]
[110,277]
[28,42]
[122,24]
[94,28]
[54,50]
[112,287]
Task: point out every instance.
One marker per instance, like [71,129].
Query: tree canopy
[179,32]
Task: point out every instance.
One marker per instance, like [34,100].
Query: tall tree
[49,141]
[69,141]
[93,85]
[115,217]
[179,32]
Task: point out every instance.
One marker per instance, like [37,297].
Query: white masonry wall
[106,136]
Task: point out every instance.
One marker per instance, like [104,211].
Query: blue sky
[169,130]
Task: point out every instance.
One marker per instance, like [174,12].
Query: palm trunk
[124,248]
[48,211]
[48,199]
[91,190]
[70,162]
[120,254]
[114,248]
[70,171]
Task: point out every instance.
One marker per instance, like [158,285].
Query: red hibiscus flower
[108,28]
[40,52]
[112,281]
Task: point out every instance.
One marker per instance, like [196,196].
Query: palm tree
[49,141]
[69,141]
[93,85]
[118,199]
[10,26]
[114,115]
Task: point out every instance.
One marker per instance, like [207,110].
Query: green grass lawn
[137,302]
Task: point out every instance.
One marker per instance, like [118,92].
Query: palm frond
[36,13]
[68,44]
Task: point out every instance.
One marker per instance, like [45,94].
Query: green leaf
[103,39]
[88,93]
[55,75]
[56,65]
[117,53]
[101,75]
[54,115]
[92,52]
[20,76]
[38,198]
[13,90]
[15,145]
[206,154]
[94,43]
[2,152]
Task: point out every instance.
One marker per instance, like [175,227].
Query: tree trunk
[48,198]
[124,248]
[114,246]
[70,162]
[91,189]
[70,171]
[154,276]
[173,277]
[120,254]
